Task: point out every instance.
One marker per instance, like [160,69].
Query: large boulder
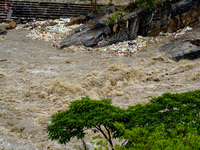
[74,39]
[128,30]
[92,35]
[185,47]
[76,20]
[169,16]
[183,6]
[88,36]
[106,10]
[133,21]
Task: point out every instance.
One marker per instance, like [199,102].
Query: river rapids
[37,81]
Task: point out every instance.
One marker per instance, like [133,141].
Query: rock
[102,11]
[88,36]
[74,39]
[183,7]
[169,16]
[106,10]
[93,37]
[76,20]
[185,47]
[119,37]
[11,25]
[3,32]
[133,23]
[130,7]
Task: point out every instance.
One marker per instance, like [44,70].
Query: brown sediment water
[37,81]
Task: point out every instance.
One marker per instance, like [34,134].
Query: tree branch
[96,126]
[124,141]
[84,144]
[99,128]
[110,140]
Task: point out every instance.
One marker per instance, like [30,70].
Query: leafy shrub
[147,4]
[178,138]
[113,19]
[170,121]
[86,114]
[169,109]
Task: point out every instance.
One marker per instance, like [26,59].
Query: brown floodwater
[37,80]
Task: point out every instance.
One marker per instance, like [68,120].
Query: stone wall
[101,2]
[51,9]
[30,10]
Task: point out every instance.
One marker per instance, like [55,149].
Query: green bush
[114,19]
[86,114]
[169,109]
[173,111]
[170,121]
[178,138]
[147,4]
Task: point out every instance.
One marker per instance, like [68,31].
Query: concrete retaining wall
[100,2]
[51,9]
[28,10]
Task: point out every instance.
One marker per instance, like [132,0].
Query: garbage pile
[181,32]
[126,48]
[55,31]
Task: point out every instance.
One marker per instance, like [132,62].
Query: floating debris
[54,31]
[51,30]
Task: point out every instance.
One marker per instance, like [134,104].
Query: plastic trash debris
[54,31]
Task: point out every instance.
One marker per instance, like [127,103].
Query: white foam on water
[44,72]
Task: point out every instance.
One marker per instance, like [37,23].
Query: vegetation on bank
[147,4]
[170,121]
[116,17]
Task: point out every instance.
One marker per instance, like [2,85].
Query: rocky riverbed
[38,80]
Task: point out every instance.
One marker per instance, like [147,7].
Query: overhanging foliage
[176,116]
[86,114]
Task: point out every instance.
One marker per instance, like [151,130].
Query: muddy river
[37,80]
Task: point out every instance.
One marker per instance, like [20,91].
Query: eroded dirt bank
[37,81]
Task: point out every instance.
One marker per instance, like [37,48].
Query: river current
[37,81]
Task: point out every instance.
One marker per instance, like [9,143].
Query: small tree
[168,120]
[86,114]
[94,5]
[114,18]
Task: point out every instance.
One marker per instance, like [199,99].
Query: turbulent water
[37,81]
